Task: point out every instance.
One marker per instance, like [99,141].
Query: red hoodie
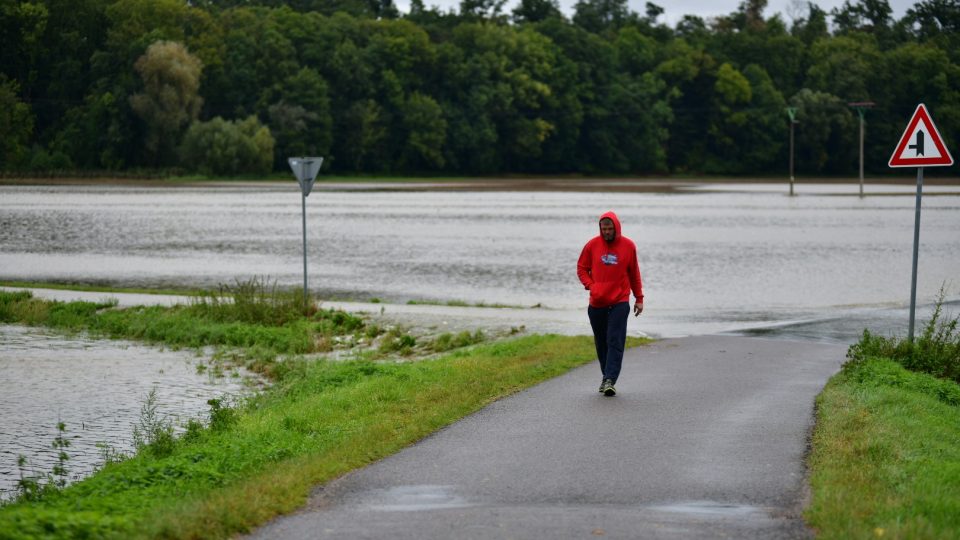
[609,270]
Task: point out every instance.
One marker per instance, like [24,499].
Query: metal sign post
[916,253]
[914,151]
[305,169]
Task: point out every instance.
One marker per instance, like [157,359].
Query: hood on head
[616,222]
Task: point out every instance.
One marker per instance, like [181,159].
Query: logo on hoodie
[610,259]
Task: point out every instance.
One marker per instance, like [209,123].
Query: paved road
[706,439]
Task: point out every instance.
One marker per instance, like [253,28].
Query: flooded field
[96,388]
[716,257]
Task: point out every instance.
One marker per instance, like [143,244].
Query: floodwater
[717,258]
[713,258]
[96,388]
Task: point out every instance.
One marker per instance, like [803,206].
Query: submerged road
[705,439]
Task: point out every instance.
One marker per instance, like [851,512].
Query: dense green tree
[136,24]
[915,73]
[826,133]
[16,125]
[812,27]
[747,17]
[937,21]
[170,99]
[531,11]
[749,124]
[257,56]
[689,72]
[299,116]
[223,147]
[363,129]
[846,66]
[599,15]
[935,17]
[100,133]
[636,53]
[481,9]
[863,15]
[47,47]
[425,132]
[24,25]
[468,91]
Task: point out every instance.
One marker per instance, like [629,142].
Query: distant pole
[861,108]
[791,157]
[916,252]
[861,154]
[792,112]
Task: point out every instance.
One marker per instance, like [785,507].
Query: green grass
[96,288]
[885,460]
[249,315]
[320,420]
[935,350]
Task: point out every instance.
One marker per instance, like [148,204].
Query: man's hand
[637,309]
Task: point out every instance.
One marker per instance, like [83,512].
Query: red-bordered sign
[921,144]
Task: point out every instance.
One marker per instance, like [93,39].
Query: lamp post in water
[305,169]
[861,107]
[792,112]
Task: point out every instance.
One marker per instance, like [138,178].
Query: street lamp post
[792,112]
[861,108]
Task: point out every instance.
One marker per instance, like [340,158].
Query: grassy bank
[96,288]
[317,421]
[886,450]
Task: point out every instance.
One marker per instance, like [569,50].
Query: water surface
[718,258]
[96,388]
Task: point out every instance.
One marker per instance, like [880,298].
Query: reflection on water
[96,388]
[848,326]
[732,257]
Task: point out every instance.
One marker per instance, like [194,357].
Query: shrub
[397,342]
[447,341]
[222,147]
[935,351]
[252,301]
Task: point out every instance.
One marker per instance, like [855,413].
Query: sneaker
[603,385]
[608,389]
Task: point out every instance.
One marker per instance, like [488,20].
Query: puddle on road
[709,508]
[415,498]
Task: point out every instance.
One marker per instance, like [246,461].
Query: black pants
[609,336]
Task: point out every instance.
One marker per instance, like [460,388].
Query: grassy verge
[96,288]
[262,326]
[317,421]
[886,450]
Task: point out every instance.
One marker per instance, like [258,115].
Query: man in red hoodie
[608,268]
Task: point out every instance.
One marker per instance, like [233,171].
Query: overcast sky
[675,9]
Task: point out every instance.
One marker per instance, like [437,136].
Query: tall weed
[253,301]
[935,351]
[153,433]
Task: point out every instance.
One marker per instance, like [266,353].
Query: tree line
[225,87]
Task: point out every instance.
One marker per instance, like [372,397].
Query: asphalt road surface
[705,439]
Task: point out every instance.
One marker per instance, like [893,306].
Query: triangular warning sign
[921,144]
